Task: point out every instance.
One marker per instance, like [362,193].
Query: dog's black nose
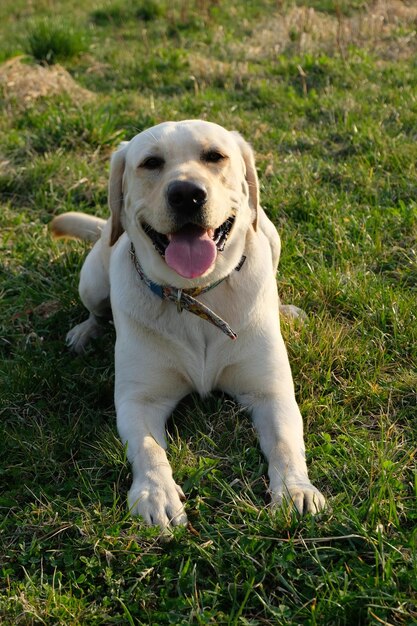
[186,196]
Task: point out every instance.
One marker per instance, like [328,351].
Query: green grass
[118,13]
[333,125]
[51,40]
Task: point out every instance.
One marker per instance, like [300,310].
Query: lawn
[326,92]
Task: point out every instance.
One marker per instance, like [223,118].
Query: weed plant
[49,40]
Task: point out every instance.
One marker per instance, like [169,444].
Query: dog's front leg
[154,494]
[262,383]
[279,424]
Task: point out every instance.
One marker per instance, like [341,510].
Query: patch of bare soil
[24,83]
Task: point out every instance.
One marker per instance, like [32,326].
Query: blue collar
[186,298]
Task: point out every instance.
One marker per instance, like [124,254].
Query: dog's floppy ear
[117,168]
[251,176]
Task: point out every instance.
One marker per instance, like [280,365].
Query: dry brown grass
[23,82]
[388,28]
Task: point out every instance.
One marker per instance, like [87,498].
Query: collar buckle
[178,301]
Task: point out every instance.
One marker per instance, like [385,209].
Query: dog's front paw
[302,495]
[158,501]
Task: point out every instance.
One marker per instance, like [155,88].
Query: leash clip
[178,301]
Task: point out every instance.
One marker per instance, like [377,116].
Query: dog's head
[186,193]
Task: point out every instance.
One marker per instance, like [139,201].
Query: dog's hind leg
[94,291]
[292,312]
[79,337]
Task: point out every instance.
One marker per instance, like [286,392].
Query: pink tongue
[190,251]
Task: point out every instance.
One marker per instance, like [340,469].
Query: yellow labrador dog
[187,263]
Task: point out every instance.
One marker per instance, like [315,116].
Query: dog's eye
[212,156]
[152,163]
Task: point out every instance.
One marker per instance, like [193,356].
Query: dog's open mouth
[191,250]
